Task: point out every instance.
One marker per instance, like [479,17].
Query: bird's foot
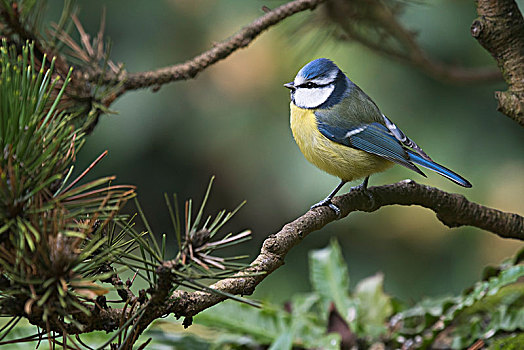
[364,189]
[327,202]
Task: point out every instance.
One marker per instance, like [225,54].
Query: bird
[339,129]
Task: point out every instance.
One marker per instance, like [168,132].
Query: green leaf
[374,305]
[273,325]
[480,313]
[503,311]
[171,340]
[263,325]
[227,341]
[308,326]
[303,303]
[511,342]
[283,342]
[329,277]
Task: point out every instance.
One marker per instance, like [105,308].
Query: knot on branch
[477,29]
[511,103]
[164,284]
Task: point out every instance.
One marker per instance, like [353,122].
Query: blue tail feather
[417,159]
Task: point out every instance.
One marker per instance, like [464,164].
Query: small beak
[290,86]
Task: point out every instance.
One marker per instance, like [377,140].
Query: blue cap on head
[318,68]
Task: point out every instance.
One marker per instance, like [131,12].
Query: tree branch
[191,68]
[378,16]
[452,209]
[500,30]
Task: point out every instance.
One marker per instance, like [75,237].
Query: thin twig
[191,68]
[407,50]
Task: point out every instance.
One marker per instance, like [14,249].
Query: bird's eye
[310,85]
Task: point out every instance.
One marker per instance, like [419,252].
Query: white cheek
[311,98]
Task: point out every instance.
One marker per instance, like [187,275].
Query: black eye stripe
[311,85]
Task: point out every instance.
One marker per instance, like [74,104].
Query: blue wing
[373,138]
[379,139]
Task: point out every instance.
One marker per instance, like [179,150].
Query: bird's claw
[363,188]
[327,202]
[335,209]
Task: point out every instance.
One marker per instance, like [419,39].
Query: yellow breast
[342,161]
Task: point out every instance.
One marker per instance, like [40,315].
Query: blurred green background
[232,121]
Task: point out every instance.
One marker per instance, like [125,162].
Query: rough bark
[500,30]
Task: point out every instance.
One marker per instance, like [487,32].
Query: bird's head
[320,83]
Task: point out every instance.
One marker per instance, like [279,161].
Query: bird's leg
[327,200]
[364,188]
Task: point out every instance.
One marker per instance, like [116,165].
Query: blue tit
[341,130]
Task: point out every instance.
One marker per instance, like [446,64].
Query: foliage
[494,305]
[327,318]
[515,342]
[331,317]
[50,227]
[61,238]
[492,311]
[299,324]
